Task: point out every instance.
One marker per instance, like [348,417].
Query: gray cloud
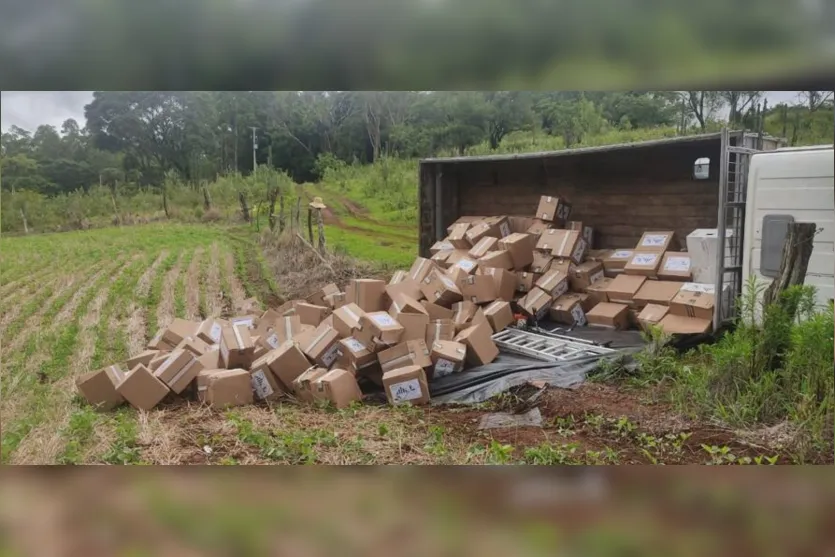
[30,109]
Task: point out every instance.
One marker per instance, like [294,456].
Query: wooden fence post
[310,224]
[320,223]
[281,214]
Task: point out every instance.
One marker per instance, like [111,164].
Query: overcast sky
[30,109]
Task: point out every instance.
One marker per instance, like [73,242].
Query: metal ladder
[547,348]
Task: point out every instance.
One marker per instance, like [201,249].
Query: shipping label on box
[406,385]
[585,274]
[535,303]
[658,242]
[554,283]
[643,263]
[617,260]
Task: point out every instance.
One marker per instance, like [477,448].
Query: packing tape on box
[173,356]
[417,272]
[318,339]
[564,242]
[288,328]
[115,374]
[238,338]
[183,371]
[353,315]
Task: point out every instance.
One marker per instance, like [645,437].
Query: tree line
[137,138]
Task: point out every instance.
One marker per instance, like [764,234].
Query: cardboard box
[479,289]
[462,314]
[406,385]
[141,389]
[505,282]
[499,315]
[346,320]
[440,289]
[598,290]
[484,245]
[157,361]
[623,288]
[615,261]
[553,209]
[193,345]
[403,304]
[569,245]
[564,266]
[158,343]
[99,387]
[380,325]
[458,275]
[466,264]
[179,329]
[525,282]
[336,300]
[458,236]
[440,258]
[303,384]
[287,362]
[464,219]
[321,345]
[201,382]
[443,329]
[249,322]
[368,294]
[675,266]
[283,329]
[420,268]
[265,385]
[541,262]
[400,283]
[693,301]
[443,245]
[586,301]
[479,231]
[537,227]
[586,232]
[643,263]
[598,254]
[568,311]
[287,308]
[317,298]
[479,318]
[413,352]
[352,354]
[501,226]
[447,357]
[657,242]
[414,326]
[554,283]
[237,349]
[498,259]
[535,303]
[481,349]
[608,314]
[179,370]
[437,312]
[548,239]
[677,324]
[651,315]
[657,292]
[584,275]
[520,247]
[209,330]
[312,315]
[339,386]
[521,224]
[143,358]
[229,387]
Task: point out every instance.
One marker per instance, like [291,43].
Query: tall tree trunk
[281,214]
[25,222]
[207,200]
[310,224]
[299,213]
[165,203]
[244,206]
[797,250]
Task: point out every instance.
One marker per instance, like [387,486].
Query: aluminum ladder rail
[546,348]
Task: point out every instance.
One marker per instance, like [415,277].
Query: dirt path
[193,286]
[214,304]
[236,292]
[138,315]
[165,310]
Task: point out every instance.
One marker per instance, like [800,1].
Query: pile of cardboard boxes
[435,319]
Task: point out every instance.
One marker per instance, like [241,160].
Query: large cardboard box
[608,314]
[658,242]
[597,290]
[312,315]
[499,315]
[178,330]
[615,261]
[587,232]
[158,343]
[481,349]
[248,321]
[201,382]
[463,313]
[414,326]
[520,247]
[644,263]
[229,387]
[458,236]
[479,289]
[657,292]
[441,259]
[211,359]
[99,387]
[505,282]
[535,303]
[336,300]
[677,324]
[339,386]
[456,256]
[193,345]
[675,266]
[598,255]
[484,245]
[569,245]
[352,354]
[283,329]
[651,315]
[287,362]
[209,330]
[694,300]
[318,297]
[498,259]
[236,347]
[537,227]
[406,385]
[478,231]
[521,224]
[443,245]
[442,329]
[548,240]
[303,384]
[624,287]
[265,385]
[379,325]
[553,209]
[157,360]
[178,370]
[413,352]
[346,320]
[541,262]
[458,275]
[585,274]
[420,268]
[400,283]
[436,312]
[447,356]
[465,264]
[525,282]
[554,283]
[321,345]
[568,311]
[440,289]
[143,358]
[141,389]
[501,226]
[368,294]
[586,301]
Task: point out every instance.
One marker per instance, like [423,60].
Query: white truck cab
[791,185]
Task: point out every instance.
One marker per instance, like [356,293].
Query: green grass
[151,301]
[180,285]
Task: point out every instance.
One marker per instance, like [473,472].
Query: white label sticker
[446,246]
[504,229]
[214,332]
[645,259]
[443,367]
[407,390]
[247,321]
[224,353]
[654,240]
[448,282]
[698,287]
[677,264]
[260,386]
[354,345]
[213,347]
[466,264]
[384,320]
[578,315]
[622,254]
[596,277]
[272,340]
[330,356]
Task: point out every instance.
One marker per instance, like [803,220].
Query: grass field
[78,301]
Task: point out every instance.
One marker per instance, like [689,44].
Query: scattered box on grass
[179,329]
[413,352]
[310,314]
[283,329]
[440,289]
[568,311]
[248,321]
[406,385]
[321,344]
[265,384]
[178,370]
[210,329]
[368,294]
[339,386]
[346,320]
[229,387]
[404,285]
[675,266]
[608,314]
[209,360]
[651,315]
[499,315]
[411,315]
[143,358]
[141,389]
[481,349]
[303,384]
[441,329]
[99,387]
[352,354]
[381,326]
[287,362]
[193,345]
[447,357]
[336,300]
[237,349]
[157,361]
